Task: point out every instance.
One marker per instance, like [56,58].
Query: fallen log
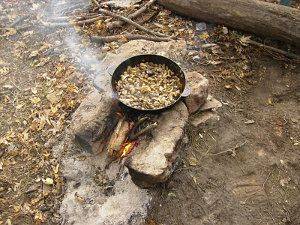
[266,19]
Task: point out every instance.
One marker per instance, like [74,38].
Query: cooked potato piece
[149,86]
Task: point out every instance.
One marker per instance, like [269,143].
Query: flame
[127,148]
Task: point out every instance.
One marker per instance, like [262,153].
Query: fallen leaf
[79,198]
[34,90]
[249,122]
[8,222]
[244,40]
[172,194]
[35,100]
[8,86]
[4,70]
[33,54]
[38,216]
[48,181]
[19,106]
[56,169]
[193,161]
[227,86]
[214,62]
[270,101]
[10,32]
[204,36]
[53,97]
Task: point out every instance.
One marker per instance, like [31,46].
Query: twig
[264,184]
[88,21]
[282,52]
[131,16]
[231,150]
[138,26]
[143,131]
[126,37]
[149,18]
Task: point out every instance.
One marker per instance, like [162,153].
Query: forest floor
[43,80]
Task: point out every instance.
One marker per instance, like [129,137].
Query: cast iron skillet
[155,59]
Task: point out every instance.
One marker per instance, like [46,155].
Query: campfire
[124,129]
[120,127]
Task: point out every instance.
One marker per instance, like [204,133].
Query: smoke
[56,15]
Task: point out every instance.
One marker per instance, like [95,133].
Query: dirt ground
[255,182]
[259,184]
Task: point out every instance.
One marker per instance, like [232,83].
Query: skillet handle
[187,91]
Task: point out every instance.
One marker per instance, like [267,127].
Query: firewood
[118,137]
[138,26]
[131,16]
[126,37]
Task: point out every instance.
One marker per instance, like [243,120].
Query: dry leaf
[35,100]
[34,90]
[56,169]
[53,97]
[193,161]
[4,70]
[9,32]
[48,181]
[244,40]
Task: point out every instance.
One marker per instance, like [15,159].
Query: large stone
[204,118]
[153,162]
[90,118]
[198,85]
[211,104]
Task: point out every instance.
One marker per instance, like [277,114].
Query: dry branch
[138,26]
[282,52]
[131,16]
[127,37]
[88,21]
[266,19]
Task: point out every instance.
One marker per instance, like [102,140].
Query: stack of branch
[121,20]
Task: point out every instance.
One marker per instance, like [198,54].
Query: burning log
[118,138]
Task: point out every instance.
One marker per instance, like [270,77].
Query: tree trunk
[266,19]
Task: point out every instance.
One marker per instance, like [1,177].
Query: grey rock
[153,162]
[205,117]
[211,104]
[199,91]
[89,119]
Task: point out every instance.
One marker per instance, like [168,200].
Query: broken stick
[138,26]
[231,151]
[88,21]
[282,52]
[127,37]
[131,16]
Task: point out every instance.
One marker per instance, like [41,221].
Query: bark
[266,19]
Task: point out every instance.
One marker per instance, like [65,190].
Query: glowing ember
[127,148]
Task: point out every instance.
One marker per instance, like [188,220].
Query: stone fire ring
[152,161]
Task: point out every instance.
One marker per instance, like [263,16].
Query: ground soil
[258,184]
